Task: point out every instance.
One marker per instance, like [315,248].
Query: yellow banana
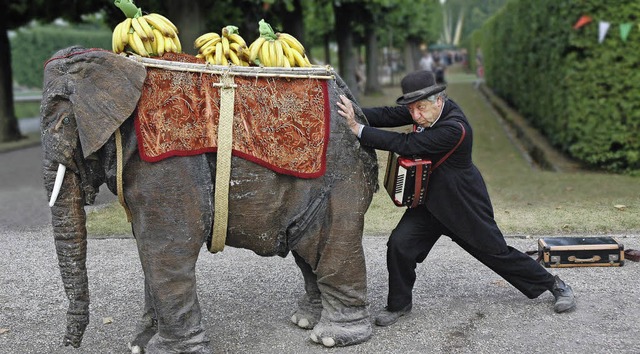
[210,59]
[292,41]
[169,47]
[225,46]
[211,43]
[138,29]
[218,54]
[240,50]
[165,20]
[176,44]
[272,53]
[161,26]
[264,54]
[234,58]
[236,38]
[224,61]
[208,49]
[116,44]
[124,30]
[286,49]
[159,42]
[136,44]
[200,41]
[148,31]
[277,47]
[299,59]
[234,46]
[154,47]
[148,47]
[306,59]
[254,48]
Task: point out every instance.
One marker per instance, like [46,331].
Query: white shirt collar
[440,114]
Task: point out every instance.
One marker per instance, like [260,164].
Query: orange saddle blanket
[278,123]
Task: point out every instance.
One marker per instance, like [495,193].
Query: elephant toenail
[304,323]
[328,342]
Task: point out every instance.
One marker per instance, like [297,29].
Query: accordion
[406,179]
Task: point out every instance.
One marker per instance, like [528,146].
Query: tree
[16,14]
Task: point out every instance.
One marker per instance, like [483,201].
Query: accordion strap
[445,157]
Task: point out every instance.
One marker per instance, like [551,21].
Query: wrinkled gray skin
[87,96]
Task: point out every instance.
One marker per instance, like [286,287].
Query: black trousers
[415,235]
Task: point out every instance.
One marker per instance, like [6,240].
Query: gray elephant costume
[88,95]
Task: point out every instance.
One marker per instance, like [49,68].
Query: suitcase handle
[584,260]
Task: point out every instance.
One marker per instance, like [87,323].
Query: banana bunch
[145,35]
[225,49]
[277,49]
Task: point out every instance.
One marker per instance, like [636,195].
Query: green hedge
[31,47]
[583,95]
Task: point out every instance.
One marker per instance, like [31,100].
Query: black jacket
[457,195]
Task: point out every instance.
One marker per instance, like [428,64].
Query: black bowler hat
[418,85]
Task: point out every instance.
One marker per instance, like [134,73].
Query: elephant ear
[106,90]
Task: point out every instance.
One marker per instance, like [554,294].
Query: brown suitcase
[564,252]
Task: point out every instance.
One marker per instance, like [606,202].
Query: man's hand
[346,110]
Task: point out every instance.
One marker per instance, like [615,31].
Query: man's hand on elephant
[346,110]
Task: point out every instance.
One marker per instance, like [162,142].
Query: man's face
[425,112]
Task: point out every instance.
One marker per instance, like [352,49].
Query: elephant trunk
[68,219]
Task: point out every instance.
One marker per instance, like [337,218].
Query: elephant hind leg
[310,304]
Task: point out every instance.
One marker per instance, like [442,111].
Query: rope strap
[223,164]
[119,186]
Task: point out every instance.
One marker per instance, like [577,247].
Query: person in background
[479,68]
[426,62]
[457,203]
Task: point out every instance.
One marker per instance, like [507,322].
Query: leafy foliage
[31,47]
[583,95]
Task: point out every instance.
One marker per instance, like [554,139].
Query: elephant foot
[195,344]
[147,328]
[308,313]
[337,334]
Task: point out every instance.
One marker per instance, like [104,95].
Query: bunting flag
[603,27]
[602,32]
[625,28]
[585,19]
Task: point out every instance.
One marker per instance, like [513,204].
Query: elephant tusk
[58,183]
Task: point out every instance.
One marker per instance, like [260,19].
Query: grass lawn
[527,201]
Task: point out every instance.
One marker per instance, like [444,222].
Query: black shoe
[387,318]
[565,300]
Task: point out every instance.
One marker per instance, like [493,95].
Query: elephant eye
[61,120]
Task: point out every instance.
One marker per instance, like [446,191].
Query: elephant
[88,96]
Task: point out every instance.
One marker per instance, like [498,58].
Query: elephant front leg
[310,304]
[147,325]
[340,274]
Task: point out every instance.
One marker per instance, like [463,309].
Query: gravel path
[459,305]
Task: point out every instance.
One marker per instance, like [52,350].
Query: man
[426,62]
[457,202]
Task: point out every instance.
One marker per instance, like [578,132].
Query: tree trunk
[344,36]
[9,130]
[372,85]
[293,22]
[412,55]
[189,19]
[327,49]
